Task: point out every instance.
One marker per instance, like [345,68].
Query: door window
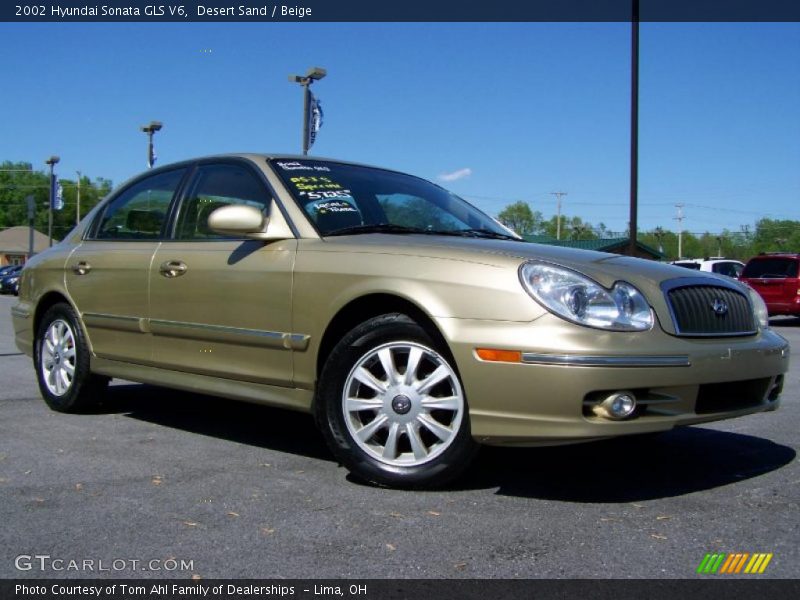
[140,211]
[213,187]
[730,269]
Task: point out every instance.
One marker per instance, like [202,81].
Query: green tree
[776,236]
[572,228]
[521,218]
[18,180]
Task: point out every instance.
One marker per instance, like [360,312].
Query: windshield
[344,199]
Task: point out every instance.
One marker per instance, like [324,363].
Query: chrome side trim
[296,341]
[118,322]
[22,313]
[230,335]
[574,360]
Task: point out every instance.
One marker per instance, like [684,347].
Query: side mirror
[240,220]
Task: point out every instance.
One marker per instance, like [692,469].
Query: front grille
[694,314]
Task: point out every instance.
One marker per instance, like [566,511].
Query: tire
[61,361]
[387,425]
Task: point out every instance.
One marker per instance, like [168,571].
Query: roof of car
[254,156]
[269,156]
[763,255]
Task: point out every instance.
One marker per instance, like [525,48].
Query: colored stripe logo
[734,563]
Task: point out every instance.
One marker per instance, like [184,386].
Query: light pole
[313,74]
[52,161]
[31,202]
[150,130]
[78,194]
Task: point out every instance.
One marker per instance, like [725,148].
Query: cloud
[456,175]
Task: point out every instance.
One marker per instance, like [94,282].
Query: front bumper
[546,398]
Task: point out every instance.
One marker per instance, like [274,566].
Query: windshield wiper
[375,228]
[390,228]
[482,233]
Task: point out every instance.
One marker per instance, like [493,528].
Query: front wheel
[392,407]
[61,358]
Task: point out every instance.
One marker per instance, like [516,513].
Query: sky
[496,112]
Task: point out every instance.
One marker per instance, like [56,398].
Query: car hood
[647,275]
[605,268]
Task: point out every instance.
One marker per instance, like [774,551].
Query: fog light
[617,406]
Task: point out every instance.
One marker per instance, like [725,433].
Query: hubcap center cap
[401,404]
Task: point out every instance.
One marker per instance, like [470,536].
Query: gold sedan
[412,325]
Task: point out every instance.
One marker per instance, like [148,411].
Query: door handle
[173,268]
[82,268]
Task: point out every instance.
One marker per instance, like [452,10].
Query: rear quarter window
[771,268]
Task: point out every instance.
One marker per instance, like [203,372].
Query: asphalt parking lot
[160,478]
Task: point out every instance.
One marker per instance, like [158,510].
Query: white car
[715,264]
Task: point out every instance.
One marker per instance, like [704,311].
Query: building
[612,245]
[14,244]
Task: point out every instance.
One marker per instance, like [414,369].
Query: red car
[775,277]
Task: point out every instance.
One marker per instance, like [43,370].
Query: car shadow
[259,426]
[780,322]
[628,469]
[637,468]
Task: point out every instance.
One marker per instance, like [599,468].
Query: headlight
[577,298]
[759,308]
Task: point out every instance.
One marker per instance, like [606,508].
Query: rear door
[107,275]
[222,306]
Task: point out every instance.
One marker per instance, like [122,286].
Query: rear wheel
[392,406]
[61,358]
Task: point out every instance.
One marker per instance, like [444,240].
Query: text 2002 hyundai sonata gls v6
[411,324]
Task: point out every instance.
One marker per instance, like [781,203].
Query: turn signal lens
[492,355]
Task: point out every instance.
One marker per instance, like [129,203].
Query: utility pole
[558,195]
[679,219]
[659,233]
[78,210]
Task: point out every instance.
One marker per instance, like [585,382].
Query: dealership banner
[314,117]
[405,10]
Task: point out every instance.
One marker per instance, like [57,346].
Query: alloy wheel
[403,403]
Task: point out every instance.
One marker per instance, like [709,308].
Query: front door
[221,306]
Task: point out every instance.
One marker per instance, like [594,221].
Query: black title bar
[401,10]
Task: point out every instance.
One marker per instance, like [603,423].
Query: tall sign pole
[634,128]
[306,120]
[149,130]
[313,74]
